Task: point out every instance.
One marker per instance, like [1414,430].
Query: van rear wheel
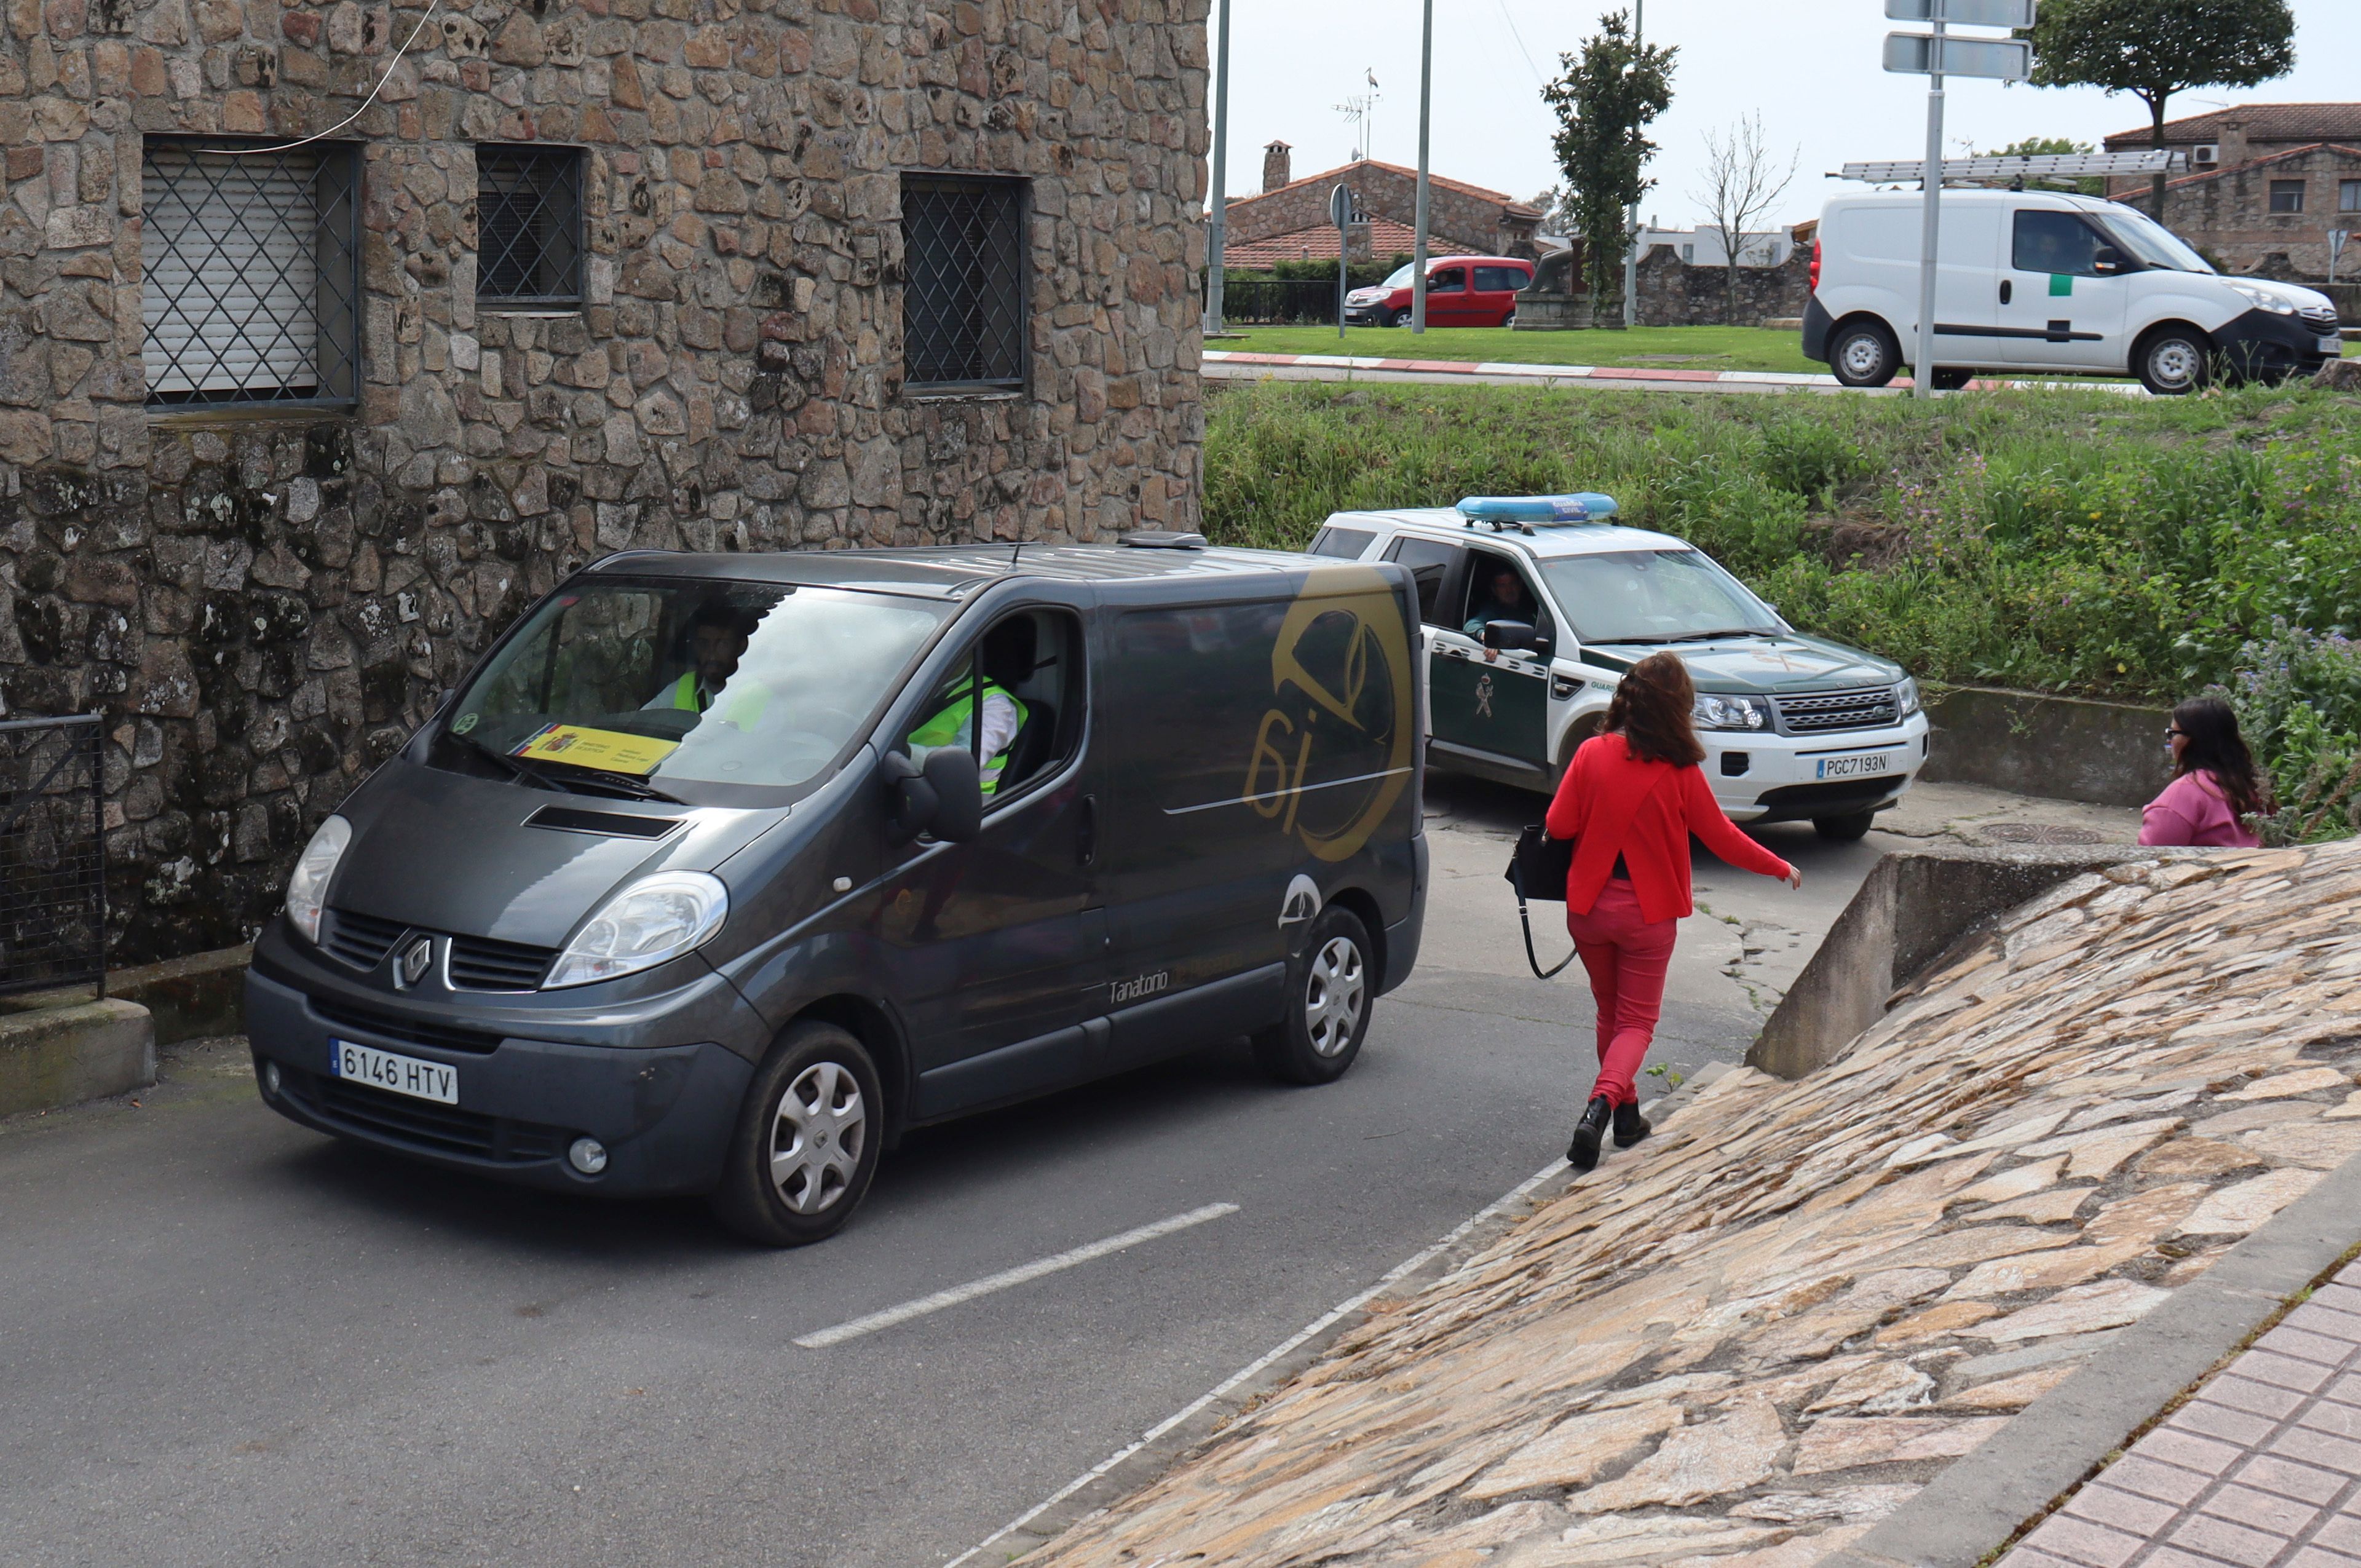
[806,1146]
[1863,354]
[1330,991]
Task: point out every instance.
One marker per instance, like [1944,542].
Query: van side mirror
[2106,259]
[1509,635]
[944,798]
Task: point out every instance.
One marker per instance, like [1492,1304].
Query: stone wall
[1674,293]
[1459,217]
[266,602]
[2227,215]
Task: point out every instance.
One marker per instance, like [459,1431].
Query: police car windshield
[1652,596]
[2151,244]
[697,689]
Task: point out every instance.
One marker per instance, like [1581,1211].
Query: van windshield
[1399,277]
[1652,596]
[2150,243]
[694,690]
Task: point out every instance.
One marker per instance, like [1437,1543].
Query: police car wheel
[1844,829]
[805,1145]
[1330,991]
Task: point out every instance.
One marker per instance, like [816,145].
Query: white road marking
[1556,1167]
[1008,1277]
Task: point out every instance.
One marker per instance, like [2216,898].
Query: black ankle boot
[1583,1153]
[1629,1126]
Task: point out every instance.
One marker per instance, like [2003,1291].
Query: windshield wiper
[621,784]
[516,770]
[1710,636]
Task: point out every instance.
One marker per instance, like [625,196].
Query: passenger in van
[718,635]
[2215,786]
[1629,801]
[1008,659]
[1504,599]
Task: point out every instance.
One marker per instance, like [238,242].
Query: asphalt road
[224,1340]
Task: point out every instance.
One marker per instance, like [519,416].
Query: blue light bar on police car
[1586,506]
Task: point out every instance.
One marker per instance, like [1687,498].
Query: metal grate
[528,225]
[417,1031]
[361,941]
[52,854]
[963,290]
[250,277]
[422,1124]
[1874,709]
[478,963]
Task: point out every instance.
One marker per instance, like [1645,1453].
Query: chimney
[1275,165]
[2234,143]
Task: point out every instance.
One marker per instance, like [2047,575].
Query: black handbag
[1538,871]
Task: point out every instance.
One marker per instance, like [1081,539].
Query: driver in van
[718,635]
[1007,659]
[1504,599]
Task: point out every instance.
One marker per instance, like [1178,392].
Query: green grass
[1666,347]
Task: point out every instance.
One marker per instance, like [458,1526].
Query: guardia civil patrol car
[719,872]
[1533,607]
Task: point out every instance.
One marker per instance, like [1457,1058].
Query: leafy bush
[2298,697]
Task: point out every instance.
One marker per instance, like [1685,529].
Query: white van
[2041,282]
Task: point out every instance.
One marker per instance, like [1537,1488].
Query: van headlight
[2278,304]
[1716,712]
[307,890]
[1905,697]
[656,918]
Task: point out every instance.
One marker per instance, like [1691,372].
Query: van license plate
[1852,767]
[402,1075]
[2332,344]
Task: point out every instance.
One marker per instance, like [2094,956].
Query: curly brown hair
[1651,711]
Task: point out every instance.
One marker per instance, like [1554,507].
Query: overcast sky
[1810,66]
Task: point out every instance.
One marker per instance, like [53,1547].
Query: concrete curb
[192,997]
[2059,1441]
[1235,364]
[2064,747]
[55,1056]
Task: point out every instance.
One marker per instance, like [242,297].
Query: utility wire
[1519,38]
[348,120]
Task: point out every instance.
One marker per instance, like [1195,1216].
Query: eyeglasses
[2169,733]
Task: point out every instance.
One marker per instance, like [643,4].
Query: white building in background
[1701,246]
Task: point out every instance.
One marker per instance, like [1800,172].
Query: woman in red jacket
[1630,802]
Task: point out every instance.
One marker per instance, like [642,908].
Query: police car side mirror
[950,775]
[1509,635]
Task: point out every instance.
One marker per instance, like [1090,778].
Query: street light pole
[1632,224]
[1425,111]
[1218,227]
[1922,373]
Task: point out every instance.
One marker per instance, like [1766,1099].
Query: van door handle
[1086,834]
[2007,287]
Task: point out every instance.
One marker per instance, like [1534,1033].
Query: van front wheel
[1330,991]
[805,1145]
[2173,360]
[1863,354]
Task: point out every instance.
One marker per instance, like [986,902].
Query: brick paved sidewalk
[2262,1469]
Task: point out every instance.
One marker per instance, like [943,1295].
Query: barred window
[529,225]
[963,305]
[250,273]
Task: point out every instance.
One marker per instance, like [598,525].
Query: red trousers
[1626,957]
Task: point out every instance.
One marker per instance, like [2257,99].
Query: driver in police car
[1505,599]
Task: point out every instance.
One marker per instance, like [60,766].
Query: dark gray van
[721,870]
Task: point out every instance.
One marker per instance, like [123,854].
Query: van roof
[1546,540]
[951,571]
[1976,196]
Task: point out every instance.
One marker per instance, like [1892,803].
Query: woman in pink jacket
[2213,786]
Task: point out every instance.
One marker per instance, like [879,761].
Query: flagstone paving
[1748,1340]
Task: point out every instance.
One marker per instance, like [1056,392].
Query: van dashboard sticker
[1138,987]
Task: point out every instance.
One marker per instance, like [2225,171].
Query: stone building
[332,334]
[2266,183]
[1288,220]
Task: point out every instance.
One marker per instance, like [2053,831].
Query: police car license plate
[401,1075]
[1851,767]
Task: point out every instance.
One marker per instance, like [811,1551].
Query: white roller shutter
[229,280]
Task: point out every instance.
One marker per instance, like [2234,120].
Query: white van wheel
[2174,361]
[1863,354]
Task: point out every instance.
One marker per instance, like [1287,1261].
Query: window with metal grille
[2287,195]
[250,273]
[963,304]
[529,225]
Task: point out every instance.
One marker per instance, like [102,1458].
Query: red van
[1461,291]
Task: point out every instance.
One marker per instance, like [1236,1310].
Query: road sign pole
[1217,228]
[1425,112]
[1340,211]
[1930,232]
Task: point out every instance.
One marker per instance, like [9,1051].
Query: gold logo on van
[1332,753]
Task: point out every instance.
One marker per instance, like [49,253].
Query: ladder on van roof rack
[2020,165]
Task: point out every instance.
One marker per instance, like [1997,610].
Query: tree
[1557,210]
[1604,102]
[1742,180]
[2153,49]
